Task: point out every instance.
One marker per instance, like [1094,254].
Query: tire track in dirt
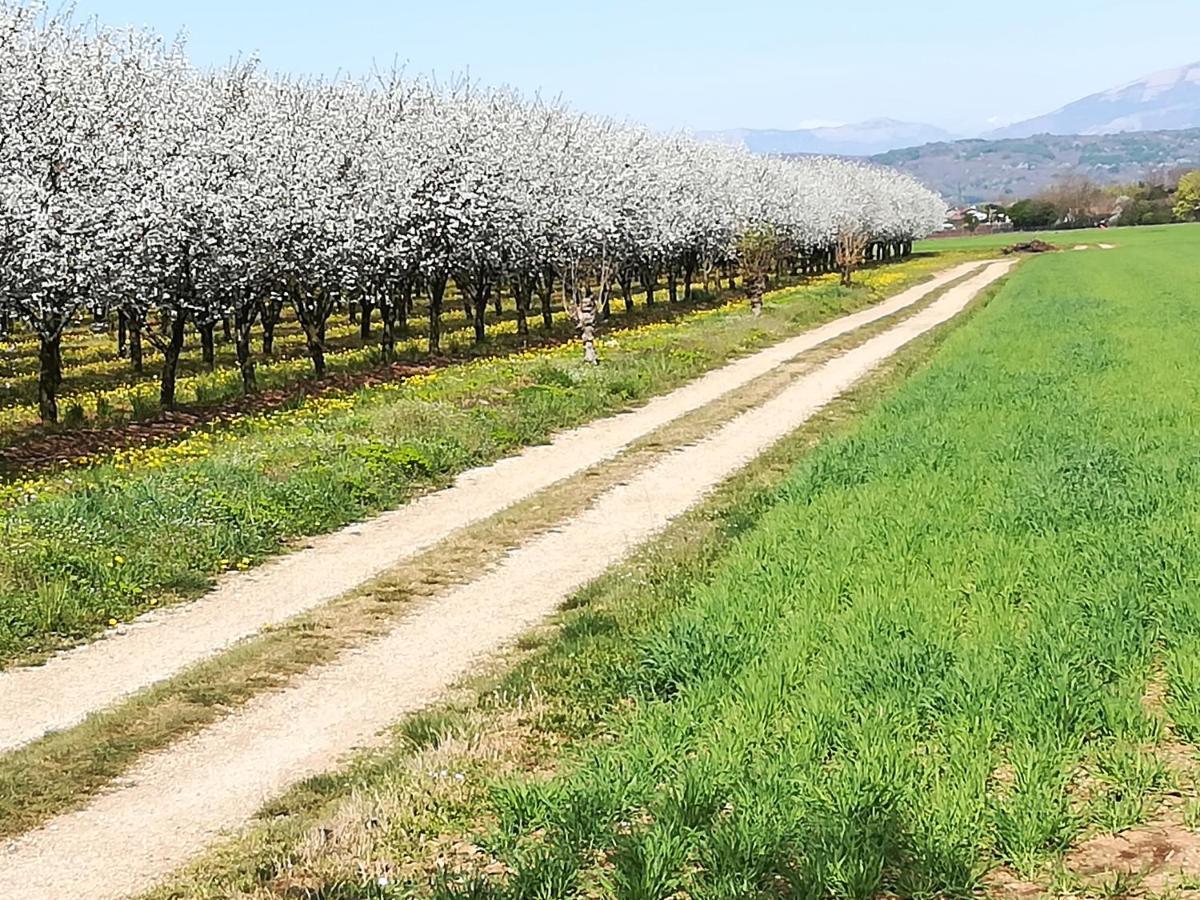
[74,684]
[175,802]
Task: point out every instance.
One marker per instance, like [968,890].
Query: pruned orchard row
[136,188]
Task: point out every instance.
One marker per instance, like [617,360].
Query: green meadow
[931,656]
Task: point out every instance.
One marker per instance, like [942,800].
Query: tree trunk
[270,311]
[437,293]
[522,286]
[498,305]
[480,292]
[585,321]
[689,272]
[137,359]
[49,376]
[316,349]
[365,307]
[208,348]
[387,321]
[546,294]
[244,320]
[649,279]
[626,282]
[313,309]
[122,333]
[672,286]
[170,369]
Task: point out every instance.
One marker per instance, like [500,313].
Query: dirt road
[72,685]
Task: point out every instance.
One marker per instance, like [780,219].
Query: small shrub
[74,416]
[550,374]
[104,408]
[143,405]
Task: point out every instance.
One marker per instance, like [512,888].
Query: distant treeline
[1079,202]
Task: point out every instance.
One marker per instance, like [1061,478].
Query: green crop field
[957,640]
[1065,239]
[948,621]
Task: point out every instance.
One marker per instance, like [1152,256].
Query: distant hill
[859,139]
[1165,100]
[971,171]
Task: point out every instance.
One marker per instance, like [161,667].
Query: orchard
[141,192]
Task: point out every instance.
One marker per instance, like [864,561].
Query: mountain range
[1166,100]
[860,139]
[972,171]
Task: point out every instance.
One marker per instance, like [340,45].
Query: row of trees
[134,186]
[1163,196]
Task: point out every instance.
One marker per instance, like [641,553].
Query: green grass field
[895,678]
[1065,239]
[958,638]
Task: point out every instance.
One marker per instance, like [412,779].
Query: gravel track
[174,803]
[78,682]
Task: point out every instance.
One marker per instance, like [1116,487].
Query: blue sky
[959,64]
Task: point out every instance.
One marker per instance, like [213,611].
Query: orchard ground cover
[956,640]
[101,542]
[101,388]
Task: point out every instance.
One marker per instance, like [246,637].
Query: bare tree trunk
[244,322]
[649,280]
[170,368]
[546,295]
[585,321]
[49,375]
[388,310]
[625,279]
[313,306]
[137,358]
[522,286]
[122,333]
[366,307]
[672,284]
[437,293]
[208,350]
[479,288]
[316,348]
[271,310]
